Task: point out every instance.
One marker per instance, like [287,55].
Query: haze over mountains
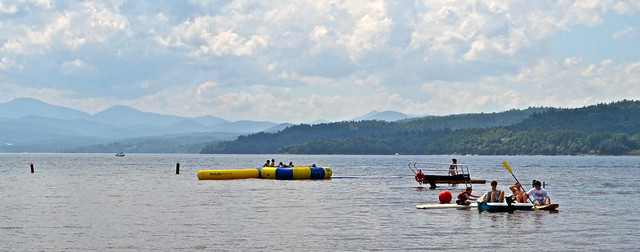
[30,125]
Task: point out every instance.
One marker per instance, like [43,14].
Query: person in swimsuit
[453,167]
[518,195]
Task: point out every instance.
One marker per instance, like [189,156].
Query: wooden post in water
[177,168]
[32,168]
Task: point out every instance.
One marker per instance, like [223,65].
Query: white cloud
[77,67]
[7,63]
[370,32]
[626,32]
[304,60]
[89,23]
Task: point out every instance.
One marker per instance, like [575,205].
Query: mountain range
[30,125]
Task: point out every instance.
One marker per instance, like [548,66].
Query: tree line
[602,129]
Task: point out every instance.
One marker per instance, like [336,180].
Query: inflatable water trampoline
[289,173]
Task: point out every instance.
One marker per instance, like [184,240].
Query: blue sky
[300,61]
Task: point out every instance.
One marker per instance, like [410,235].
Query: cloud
[304,60]
[88,23]
[77,67]
[626,32]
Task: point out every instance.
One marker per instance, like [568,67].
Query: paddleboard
[442,206]
[547,207]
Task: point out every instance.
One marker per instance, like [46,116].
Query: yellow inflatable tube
[228,174]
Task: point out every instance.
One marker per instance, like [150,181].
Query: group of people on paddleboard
[538,195]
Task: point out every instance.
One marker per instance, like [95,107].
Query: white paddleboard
[449,205]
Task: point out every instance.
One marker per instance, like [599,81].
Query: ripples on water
[100,202]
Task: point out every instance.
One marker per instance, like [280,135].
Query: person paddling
[539,195]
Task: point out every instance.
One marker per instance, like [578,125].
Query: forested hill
[330,137]
[618,117]
[603,129]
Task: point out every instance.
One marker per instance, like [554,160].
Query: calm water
[101,202]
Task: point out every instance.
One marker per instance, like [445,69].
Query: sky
[306,60]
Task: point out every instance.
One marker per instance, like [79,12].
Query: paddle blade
[506,165]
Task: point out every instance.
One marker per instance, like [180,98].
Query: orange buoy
[445,197]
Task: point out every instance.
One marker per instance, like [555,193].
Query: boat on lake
[119,154]
[442,173]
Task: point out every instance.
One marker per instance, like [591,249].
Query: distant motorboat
[120,154]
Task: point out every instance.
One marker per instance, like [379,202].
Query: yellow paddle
[506,165]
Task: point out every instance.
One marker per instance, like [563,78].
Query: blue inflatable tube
[295,172]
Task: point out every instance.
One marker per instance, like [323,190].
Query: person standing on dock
[453,167]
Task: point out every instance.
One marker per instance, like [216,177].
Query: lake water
[101,202]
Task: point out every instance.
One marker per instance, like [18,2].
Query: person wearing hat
[539,195]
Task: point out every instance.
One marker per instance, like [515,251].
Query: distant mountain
[209,120]
[243,126]
[279,127]
[179,143]
[22,107]
[389,116]
[30,125]
[123,116]
[318,122]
